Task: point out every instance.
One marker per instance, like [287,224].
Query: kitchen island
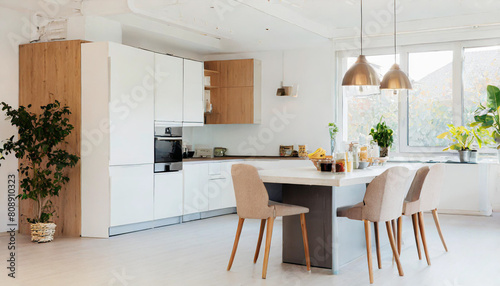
[333,241]
[470,189]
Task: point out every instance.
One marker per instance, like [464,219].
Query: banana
[318,154]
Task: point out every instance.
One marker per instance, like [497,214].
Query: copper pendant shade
[395,78]
[361,73]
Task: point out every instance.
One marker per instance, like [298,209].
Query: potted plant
[384,136]
[461,140]
[43,162]
[487,116]
[333,130]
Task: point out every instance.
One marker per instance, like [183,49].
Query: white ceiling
[216,26]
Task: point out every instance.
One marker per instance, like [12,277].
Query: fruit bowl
[316,161]
[317,155]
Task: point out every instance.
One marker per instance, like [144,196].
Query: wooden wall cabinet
[235,91]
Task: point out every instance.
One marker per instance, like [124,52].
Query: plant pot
[473,156]
[42,232]
[384,151]
[464,156]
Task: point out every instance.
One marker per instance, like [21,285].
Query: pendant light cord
[362,26]
[395,57]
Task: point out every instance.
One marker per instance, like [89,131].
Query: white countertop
[310,176]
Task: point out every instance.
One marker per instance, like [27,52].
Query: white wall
[285,120]
[13,31]
[94,28]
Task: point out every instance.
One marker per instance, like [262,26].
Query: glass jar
[349,162]
[340,162]
[325,165]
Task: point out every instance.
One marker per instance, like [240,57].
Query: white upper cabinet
[193,92]
[131,105]
[169,88]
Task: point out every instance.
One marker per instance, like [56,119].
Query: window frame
[457,47]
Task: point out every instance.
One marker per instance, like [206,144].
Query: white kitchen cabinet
[131,105]
[169,88]
[193,92]
[195,188]
[220,187]
[131,190]
[168,193]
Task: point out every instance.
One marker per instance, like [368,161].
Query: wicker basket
[42,232]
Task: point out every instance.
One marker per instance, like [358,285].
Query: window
[430,103]
[449,82]
[363,113]
[481,67]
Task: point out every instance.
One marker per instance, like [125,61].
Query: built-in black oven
[168,148]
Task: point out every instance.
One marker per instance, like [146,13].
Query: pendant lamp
[361,73]
[395,78]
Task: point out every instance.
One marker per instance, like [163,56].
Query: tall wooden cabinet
[48,72]
[235,91]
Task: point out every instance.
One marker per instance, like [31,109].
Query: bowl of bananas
[316,156]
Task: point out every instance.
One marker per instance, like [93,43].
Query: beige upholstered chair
[424,196]
[383,202]
[252,202]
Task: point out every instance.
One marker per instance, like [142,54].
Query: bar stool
[424,196]
[383,202]
[252,202]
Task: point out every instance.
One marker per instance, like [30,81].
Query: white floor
[197,253]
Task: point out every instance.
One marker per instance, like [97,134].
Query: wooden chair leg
[269,235]
[400,234]
[393,246]
[377,245]
[393,222]
[235,245]
[259,241]
[414,220]
[438,226]
[305,240]
[394,230]
[422,233]
[369,249]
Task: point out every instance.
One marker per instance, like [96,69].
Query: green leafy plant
[43,162]
[462,138]
[333,129]
[382,134]
[487,116]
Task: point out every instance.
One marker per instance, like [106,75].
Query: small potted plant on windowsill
[384,136]
[43,162]
[487,117]
[462,139]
